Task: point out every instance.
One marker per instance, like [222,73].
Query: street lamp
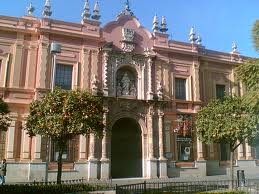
[55,48]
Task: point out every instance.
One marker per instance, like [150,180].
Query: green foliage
[248,73]
[216,192]
[225,192]
[256,35]
[63,114]
[4,119]
[43,189]
[227,121]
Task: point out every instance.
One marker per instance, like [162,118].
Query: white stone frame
[144,139]
[75,72]
[188,85]
[4,68]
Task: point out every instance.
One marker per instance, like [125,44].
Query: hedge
[217,192]
[48,189]
[224,192]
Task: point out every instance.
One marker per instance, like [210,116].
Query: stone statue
[125,84]
[133,90]
[118,89]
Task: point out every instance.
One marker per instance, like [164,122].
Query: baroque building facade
[152,87]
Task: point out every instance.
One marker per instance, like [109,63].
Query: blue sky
[219,22]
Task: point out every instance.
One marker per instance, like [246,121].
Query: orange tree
[227,121]
[4,119]
[61,115]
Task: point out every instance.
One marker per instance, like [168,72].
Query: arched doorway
[126,149]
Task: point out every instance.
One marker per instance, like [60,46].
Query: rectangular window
[63,77]
[220,91]
[54,153]
[185,152]
[180,88]
[225,152]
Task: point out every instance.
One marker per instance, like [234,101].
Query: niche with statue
[126,84]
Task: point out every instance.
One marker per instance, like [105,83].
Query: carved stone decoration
[128,34]
[127,43]
[105,71]
[160,93]
[118,61]
[126,85]
[94,85]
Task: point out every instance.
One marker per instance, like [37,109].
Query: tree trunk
[60,153]
[231,169]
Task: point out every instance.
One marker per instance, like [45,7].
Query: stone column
[25,143]
[248,151]
[196,81]
[92,160]
[32,63]
[94,63]
[37,149]
[105,162]
[151,161]
[162,159]
[200,154]
[43,62]
[85,78]
[10,140]
[105,71]
[82,148]
[17,60]
[149,77]
[240,152]
[141,90]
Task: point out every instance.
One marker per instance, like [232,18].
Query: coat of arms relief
[127,44]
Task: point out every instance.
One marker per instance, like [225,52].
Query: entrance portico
[126,149]
[133,141]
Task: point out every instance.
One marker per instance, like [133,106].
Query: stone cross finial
[234,47]
[47,10]
[163,27]
[155,24]
[96,12]
[192,35]
[199,40]
[30,9]
[86,12]
[127,6]
[127,10]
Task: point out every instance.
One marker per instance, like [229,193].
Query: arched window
[126,83]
